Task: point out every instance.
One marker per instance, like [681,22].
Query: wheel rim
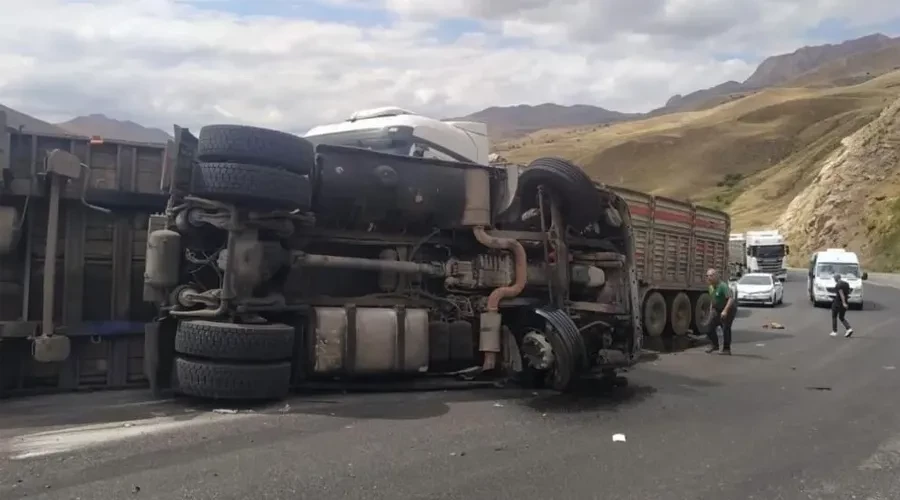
[655,314]
[681,314]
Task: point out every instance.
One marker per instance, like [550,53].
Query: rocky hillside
[854,198]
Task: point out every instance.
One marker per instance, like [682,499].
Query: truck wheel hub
[536,349]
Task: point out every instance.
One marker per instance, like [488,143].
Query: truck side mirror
[865,276]
[787,250]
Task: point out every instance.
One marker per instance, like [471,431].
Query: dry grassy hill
[752,156]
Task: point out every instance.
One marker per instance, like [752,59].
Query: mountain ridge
[522,119]
[98,124]
[776,70]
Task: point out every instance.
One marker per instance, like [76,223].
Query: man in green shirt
[722,312]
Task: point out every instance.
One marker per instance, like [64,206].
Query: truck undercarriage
[278,264]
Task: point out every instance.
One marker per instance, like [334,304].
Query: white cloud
[164,61]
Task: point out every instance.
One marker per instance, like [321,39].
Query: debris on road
[818,388]
[224,411]
[618,438]
[890,367]
[774,326]
[760,345]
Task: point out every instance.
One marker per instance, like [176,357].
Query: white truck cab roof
[400,131]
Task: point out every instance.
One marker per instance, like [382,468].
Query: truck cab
[399,131]
[766,253]
[824,265]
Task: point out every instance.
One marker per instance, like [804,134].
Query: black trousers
[837,313]
[725,323]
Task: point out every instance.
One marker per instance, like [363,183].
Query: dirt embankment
[854,199]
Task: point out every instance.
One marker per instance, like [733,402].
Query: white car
[759,288]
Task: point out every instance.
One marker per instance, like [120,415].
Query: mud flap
[10,229]
[159,354]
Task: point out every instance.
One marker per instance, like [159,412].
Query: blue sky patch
[449,30]
[313,10]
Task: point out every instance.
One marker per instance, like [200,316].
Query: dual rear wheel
[258,169]
[221,360]
[676,313]
[253,167]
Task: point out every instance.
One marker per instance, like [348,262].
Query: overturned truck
[279,263]
[273,262]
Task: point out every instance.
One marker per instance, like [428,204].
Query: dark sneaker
[712,349]
[726,352]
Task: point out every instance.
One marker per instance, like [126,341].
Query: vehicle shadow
[594,394]
[674,343]
[590,395]
[870,306]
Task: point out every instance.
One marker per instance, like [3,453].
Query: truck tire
[259,146]
[680,313]
[655,314]
[234,342]
[568,348]
[209,379]
[702,319]
[251,185]
[581,203]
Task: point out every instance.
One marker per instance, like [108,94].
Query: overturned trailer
[273,263]
[74,320]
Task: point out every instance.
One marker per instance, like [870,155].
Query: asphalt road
[793,414]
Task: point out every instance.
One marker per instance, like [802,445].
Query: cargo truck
[274,261]
[762,251]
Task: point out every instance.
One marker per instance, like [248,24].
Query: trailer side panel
[99,261]
[676,242]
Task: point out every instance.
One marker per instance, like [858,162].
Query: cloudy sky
[290,64]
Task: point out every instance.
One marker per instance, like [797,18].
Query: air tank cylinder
[162,266]
[477,211]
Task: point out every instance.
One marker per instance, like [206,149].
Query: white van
[822,268]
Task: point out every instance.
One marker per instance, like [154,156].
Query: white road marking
[886,457]
[73,438]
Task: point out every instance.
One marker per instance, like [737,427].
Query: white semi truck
[759,252]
